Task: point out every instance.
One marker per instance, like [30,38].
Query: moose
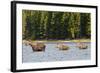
[36,46]
[82,45]
[62,46]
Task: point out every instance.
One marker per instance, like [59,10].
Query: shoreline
[74,40]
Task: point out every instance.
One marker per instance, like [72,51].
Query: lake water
[54,54]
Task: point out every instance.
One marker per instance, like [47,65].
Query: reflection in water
[52,53]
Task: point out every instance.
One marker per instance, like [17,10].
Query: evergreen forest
[52,25]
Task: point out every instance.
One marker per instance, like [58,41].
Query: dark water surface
[54,54]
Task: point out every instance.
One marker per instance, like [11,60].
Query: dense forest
[48,25]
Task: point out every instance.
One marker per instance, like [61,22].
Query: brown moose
[37,46]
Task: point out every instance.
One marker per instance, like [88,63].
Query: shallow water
[54,54]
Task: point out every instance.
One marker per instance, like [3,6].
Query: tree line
[52,25]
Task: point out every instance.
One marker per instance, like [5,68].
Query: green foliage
[55,25]
[85,25]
